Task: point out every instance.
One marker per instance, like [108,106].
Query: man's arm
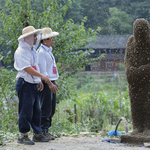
[33,72]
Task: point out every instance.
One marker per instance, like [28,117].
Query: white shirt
[46,62]
[24,58]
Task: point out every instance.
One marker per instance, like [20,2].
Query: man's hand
[45,78]
[53,88]
[56,84]
[41,86]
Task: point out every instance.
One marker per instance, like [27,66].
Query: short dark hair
[42,41]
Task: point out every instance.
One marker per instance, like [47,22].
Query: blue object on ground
[111,141]
[112,132]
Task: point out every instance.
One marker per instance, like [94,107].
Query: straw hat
[48,33]
[29,30]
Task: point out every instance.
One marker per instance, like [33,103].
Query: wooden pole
[75,112]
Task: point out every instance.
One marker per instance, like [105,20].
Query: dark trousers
[29,107]
[48,105]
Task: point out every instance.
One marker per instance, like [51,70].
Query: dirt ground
[71,143]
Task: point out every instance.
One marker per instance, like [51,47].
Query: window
[110,64]
[95,64]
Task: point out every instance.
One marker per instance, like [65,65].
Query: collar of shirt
[49,49]
[33,48]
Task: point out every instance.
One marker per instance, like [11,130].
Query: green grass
[97,98]
[100,83]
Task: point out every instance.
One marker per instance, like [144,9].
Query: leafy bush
[8,102]
[95,110]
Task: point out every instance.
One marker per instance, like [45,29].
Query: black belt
[21,79]
[53,81]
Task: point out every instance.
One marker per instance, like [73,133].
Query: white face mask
[29,40]
[39,37]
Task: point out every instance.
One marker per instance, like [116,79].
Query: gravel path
[71,143]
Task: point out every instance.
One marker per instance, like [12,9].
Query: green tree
[136,8]
[66,48]
[75,12]
[119,22]
[2,4]
[96,11]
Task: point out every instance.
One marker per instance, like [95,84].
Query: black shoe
[25,140]
[40,138]
[52,137]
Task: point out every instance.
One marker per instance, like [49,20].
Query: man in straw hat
[28,81]
[47,64]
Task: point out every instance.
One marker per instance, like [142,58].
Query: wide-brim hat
[48,33]
[29,30]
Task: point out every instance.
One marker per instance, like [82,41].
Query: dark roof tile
[109,41]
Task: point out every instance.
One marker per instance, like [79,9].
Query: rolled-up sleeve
[22,60]
[42,63]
